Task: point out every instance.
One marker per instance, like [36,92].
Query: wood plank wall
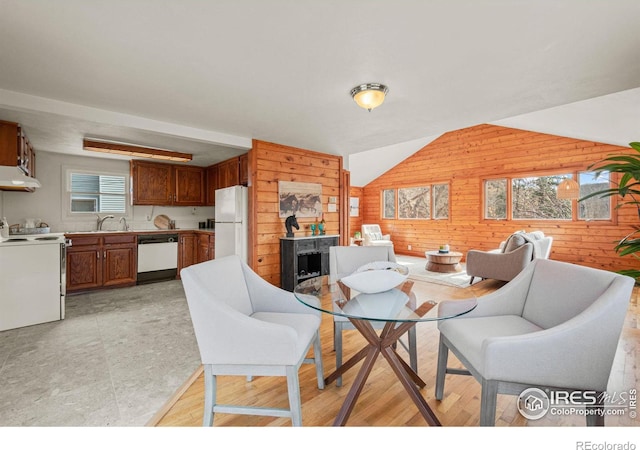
[271,163]
[463,158]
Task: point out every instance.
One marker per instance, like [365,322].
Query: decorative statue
[289,222]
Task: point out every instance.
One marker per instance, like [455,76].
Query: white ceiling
[209,76]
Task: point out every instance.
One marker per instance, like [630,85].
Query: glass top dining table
[399,309]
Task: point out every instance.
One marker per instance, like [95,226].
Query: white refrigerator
[231,222]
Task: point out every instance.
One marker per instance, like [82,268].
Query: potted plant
[628,165]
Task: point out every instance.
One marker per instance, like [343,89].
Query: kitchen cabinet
[228,173]
[243,168]
[187,250]
[211,173]
[167,184]
[206,247]
[96,261]
[16,151]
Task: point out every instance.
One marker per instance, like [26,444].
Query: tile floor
[115,360]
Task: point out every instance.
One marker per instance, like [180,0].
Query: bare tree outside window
[414,203]
[535,198]
[495,199]
[440,201]
[389,204]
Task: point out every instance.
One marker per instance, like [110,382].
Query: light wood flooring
[383,402]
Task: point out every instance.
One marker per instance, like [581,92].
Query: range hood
[14,177]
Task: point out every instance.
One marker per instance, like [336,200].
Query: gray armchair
[508,261]
[247,326]
[555,326]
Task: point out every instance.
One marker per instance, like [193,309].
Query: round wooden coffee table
[443,262]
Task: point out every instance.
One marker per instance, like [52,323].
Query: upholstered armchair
[372,235]
[513,255]
[555,326]
[343,261]
[247,326]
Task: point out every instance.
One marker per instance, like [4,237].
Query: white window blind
[97,193]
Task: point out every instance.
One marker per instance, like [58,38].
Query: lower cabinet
[303,258]
[187,250]
[206,247]
[101,261]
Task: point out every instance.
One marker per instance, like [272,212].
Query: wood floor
[383,402]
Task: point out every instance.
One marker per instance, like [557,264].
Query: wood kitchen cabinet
[243,168]
[211,174]
[187,250]
[101,261]
[167,184]
[228,173]
[206,247]
[16,151]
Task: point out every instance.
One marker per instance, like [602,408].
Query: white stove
[44,238]
[33,279]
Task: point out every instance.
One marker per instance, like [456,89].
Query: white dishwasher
[157,257]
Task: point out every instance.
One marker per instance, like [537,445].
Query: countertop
[175,230]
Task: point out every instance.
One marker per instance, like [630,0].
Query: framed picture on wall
[354,206]
[389,204]
[301,199]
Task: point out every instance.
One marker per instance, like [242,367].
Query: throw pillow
[513,242]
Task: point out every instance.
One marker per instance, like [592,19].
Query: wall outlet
[409,247]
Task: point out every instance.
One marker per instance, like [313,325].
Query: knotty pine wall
[268,164]
[463,158]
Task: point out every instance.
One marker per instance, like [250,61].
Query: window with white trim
[92,192]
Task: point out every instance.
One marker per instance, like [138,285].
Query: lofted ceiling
[208,76]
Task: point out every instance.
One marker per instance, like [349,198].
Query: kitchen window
[94,192]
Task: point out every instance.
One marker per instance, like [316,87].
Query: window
[422,202]
[96,193]
[440,201]
[495,199]
[534,198]
[389,204]
[594,208]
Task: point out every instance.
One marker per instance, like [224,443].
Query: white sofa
[372,235]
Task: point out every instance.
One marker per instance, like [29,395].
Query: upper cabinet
[232,172]
[167,184]
[161,184]
[16,151]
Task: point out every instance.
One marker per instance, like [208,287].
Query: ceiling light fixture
[134,150]
[568,189]
[370,95]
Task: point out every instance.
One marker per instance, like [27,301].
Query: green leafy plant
[628,189]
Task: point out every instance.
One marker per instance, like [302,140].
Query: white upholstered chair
[372,235]
[246,326]
[556,325]
[343,261]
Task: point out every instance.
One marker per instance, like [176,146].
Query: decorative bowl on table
[378,276]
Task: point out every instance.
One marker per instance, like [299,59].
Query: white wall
[46,203]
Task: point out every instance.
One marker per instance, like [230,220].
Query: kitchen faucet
[125,227]
[101,220]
